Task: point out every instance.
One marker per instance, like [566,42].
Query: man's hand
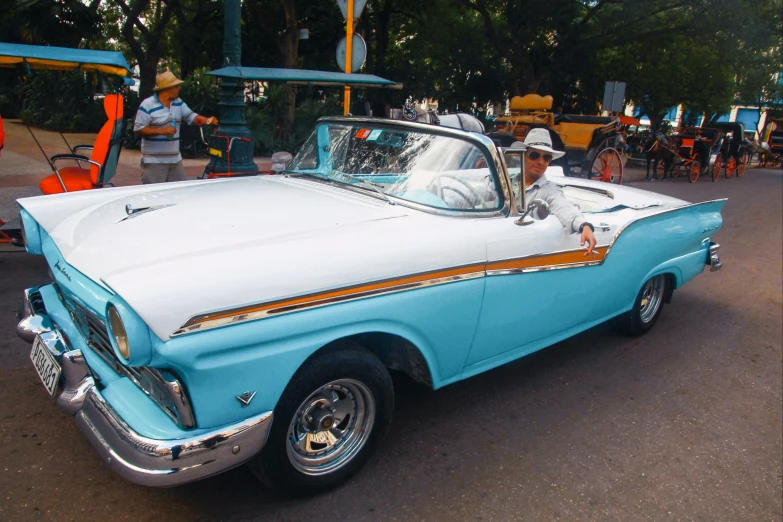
[203,120]
[589,238]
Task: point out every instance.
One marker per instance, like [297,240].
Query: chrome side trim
[203,322]
[510,271]
[165,463]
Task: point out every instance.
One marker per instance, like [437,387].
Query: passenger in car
[537,158]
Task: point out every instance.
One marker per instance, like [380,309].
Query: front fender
[262,356]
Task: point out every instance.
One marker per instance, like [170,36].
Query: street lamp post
[232,131]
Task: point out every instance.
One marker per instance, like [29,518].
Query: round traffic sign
[358,53]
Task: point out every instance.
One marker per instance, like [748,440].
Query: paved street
[684,423]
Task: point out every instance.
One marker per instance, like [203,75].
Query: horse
[657,148]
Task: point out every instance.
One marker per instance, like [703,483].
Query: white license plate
[44,363]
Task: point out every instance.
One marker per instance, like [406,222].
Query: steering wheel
[471,200]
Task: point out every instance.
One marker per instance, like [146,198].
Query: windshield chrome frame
[482,142]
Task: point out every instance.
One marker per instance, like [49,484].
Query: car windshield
[438,171]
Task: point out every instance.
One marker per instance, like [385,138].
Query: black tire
[357,376]
[647,307]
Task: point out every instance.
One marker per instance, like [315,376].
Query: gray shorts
[162,172]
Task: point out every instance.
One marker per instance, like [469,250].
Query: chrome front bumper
[139,459]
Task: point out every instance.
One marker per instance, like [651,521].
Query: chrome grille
[92,329]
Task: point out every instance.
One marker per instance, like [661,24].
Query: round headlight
[118,332]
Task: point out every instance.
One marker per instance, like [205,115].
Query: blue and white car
[193,327]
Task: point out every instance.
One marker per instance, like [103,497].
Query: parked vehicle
[733,149]
[588,140]
[771,145]
[696,150]
[397,251]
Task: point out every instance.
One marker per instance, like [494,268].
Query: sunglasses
[535,155]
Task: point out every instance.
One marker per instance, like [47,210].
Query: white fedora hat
[539,139]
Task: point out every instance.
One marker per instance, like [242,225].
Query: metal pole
[348,57]
[233,137]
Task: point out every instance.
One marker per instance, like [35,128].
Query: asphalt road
[684,423]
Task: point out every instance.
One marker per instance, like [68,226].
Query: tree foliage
[705,54]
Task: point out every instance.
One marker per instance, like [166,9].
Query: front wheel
[329,421]
[695,169]
[646,307]
[716,167]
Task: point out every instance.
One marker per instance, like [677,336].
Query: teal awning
[304,76]
[63,58]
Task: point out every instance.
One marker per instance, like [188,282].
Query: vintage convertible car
[196,326]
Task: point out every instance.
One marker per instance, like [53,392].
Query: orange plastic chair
[102,160]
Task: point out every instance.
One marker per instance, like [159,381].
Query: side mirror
[513,158]
[540,206]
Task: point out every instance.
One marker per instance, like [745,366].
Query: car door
[539,286]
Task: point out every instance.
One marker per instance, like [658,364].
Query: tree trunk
[147,55]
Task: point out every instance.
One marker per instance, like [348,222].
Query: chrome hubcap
[652,296]
[330,427]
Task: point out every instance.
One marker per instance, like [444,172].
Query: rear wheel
[646,307]
[328,422]
[607,166]
[695,169]
[716,167]
[731,167]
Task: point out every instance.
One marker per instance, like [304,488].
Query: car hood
[122,229]
[230,242]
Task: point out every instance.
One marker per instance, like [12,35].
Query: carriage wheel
[716,167]
[731,167]
[607,166]
[660,172]
[742,162]
[695,169]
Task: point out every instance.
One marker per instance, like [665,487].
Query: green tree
[144,29]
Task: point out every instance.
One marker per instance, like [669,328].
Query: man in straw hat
[158,122]
[537,158]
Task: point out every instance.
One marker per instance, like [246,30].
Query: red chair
[102,160]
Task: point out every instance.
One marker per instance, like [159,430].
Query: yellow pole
[348,58]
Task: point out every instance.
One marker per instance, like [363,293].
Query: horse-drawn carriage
[588,140]
[691,152]
[771,145]
[733,150]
